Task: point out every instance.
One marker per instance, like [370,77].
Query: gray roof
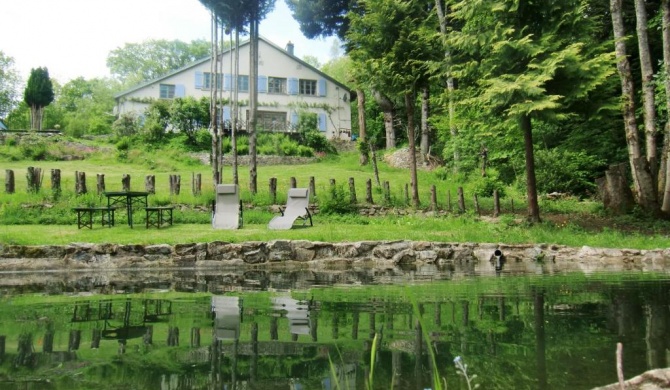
[203,60]
[2,125]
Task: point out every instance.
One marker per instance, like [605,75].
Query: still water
[395,329]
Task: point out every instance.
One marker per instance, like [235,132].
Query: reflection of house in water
[227,317]
[297,313]
[344,378]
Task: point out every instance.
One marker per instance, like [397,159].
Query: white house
[287,86]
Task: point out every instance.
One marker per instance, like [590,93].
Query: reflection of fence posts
[148,337]
[9,181]
[48,342]
[74,340]
[195,337]
[173,336]
[95,338]
[352,191]
[355,319]
[2,348]
[274,325]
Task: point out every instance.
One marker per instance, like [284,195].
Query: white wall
[333,108]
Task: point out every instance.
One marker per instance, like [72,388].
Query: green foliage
[484,186]
[33,148]
[567,171]
[307,121]
[157,120]
[127,125]
[338,201]
[317,141]
[188,115]
[138,62]
[39,89]
[9,84]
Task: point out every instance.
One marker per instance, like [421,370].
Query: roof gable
[207,59]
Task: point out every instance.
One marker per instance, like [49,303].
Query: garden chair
[227,212]
[296,208]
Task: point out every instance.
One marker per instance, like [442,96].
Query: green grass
[43,218]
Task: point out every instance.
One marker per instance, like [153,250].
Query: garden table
[129,199]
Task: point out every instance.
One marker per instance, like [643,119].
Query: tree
[38,94]
[642,179]
[527,62]
[87,106]
[135,63]
[322,17]
[188,115]
[9,83]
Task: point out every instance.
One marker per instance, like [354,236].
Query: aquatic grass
[462,369]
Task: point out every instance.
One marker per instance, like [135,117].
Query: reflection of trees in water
[525,336]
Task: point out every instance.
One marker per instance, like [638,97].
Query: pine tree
[38,94]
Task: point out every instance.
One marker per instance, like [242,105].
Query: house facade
[287,88]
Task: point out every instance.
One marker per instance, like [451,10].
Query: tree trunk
[233,129]
[665,172]
[450,80]
[386,106]
[647,87]
[409,104]
[531,186]
[648,201]
[213,107]
[362,131]
[253,104]
[425,128]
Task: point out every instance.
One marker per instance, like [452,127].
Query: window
[167,91]
[271,121]
[307,87]
[207,81]
[276,85]
[243,83]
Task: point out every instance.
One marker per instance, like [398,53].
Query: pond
[302,329]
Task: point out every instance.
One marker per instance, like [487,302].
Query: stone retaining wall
[468,257]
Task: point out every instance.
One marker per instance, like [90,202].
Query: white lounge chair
[227,213]
[296,208]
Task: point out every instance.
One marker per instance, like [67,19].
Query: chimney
[289,48]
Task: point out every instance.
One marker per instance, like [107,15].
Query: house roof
[2,125]
[203,60]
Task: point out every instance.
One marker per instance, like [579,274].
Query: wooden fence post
[55,181]
[406,193]
[294,184]
[476,202]
[125,182]
[332,187]
[368,191]
[496,203]
[387,192]
[433,198]
[100,183]
[150,184]
[175,184]
[461,200]
[312,186]
[80,183]
[352,191]
[34,177]
[273,190]
[197,184]
[9,181]
[449,208]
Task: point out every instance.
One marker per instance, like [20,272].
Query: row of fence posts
[34,178]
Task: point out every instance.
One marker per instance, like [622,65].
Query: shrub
[337,202]
[566,171]
[126,125]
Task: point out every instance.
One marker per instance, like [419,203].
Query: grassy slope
[569,230]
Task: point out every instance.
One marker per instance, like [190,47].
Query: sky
[72,38]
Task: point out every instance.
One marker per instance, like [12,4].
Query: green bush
[305,151]
[566,171]
[338,201]
[288,147]
[33,147]
[317,141]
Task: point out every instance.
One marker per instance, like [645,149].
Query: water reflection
[309,330]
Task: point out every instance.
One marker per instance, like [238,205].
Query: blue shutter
[293,123]
[322,122]
[262,84]
[226,113]
[321,87]
[292,86]
[179,91]
[227,82]
[198,80]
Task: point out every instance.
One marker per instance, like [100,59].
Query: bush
[338,202]
[317,141]
[566,171]
[33,147]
